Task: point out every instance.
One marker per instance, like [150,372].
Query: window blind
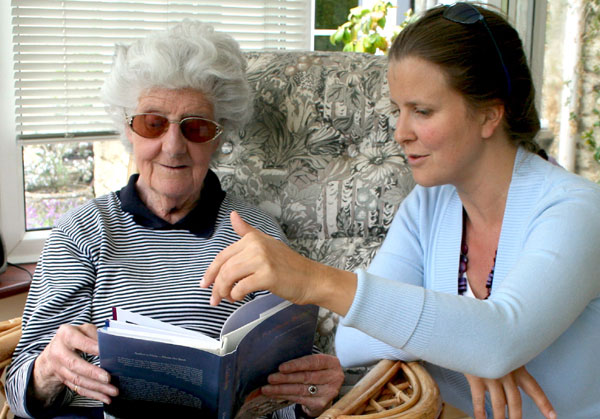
[63,50]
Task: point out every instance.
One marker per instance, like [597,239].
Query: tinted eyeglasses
[467,14]
[193,128]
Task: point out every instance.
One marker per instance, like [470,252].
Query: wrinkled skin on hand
[295,376]
[60,364]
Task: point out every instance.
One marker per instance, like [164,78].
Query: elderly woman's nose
[173,140]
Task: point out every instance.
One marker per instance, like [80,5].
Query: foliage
[58,177]
[590,135]
[43,213]
[54,167]
[363,32]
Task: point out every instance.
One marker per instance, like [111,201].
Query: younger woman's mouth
[415,158]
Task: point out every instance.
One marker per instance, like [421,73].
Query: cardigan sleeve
[554,280]
[400,258]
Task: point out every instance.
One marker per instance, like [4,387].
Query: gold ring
[75,388]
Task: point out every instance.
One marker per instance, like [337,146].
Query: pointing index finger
[213,270]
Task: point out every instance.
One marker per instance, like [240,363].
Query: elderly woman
[144,248]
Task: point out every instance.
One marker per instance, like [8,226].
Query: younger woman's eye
[424,112]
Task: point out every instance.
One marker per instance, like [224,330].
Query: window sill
[30,247]
[15,281]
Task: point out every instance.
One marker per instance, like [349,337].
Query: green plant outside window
[363,32]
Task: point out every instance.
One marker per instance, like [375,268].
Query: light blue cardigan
[544,309]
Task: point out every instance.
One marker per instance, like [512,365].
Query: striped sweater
[99,256]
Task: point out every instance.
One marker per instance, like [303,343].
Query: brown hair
[468,57]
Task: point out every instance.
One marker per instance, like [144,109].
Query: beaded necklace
[464,263]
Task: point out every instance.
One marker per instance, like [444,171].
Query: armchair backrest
[319,153]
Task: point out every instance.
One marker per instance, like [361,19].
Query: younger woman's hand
[260,262]
[504,392]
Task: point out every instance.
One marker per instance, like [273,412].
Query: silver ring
[312,389]
[75,388]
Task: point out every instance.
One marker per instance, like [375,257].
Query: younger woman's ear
[492,116]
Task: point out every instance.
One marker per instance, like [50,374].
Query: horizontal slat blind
[63,50]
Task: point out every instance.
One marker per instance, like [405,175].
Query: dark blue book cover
[155,377]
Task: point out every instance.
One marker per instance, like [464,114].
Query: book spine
[227,386]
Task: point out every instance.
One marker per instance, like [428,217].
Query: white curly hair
[190,54]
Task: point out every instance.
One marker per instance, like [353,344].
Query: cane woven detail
[397,395]
[392,389]
[10,333]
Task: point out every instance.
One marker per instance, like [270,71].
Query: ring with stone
[312,389]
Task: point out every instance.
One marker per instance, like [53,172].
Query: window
[58,147]
[570,90]
[329,14]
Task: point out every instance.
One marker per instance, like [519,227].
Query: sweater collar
[200,221]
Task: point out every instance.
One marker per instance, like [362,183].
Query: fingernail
[202,283]
[552,415]
[213,300]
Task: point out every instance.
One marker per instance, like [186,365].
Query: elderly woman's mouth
[174,167]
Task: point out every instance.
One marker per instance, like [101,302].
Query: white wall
[11,201]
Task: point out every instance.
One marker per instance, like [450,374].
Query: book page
[247,317]
[132,331]
[250,311]
[134,325]
[126,316]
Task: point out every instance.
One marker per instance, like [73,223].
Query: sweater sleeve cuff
[17,397]
[391,311]
[31,407]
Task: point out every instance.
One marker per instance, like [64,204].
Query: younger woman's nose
[403,131]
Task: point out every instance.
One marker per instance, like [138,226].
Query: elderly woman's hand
[60,364]
[504,393]
[312,381]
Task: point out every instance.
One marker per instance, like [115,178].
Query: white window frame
[21,246]
[529,17]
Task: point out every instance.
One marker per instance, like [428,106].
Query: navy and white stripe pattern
[97,257]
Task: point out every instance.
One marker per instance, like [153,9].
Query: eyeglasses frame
[220,128]
[480,18]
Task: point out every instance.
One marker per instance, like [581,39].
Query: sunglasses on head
[467,14]
[193,128]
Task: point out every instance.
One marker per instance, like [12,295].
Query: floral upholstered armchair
[319,156]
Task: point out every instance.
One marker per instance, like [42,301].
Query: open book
[162,369]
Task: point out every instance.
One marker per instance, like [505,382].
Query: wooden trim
[15,281]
